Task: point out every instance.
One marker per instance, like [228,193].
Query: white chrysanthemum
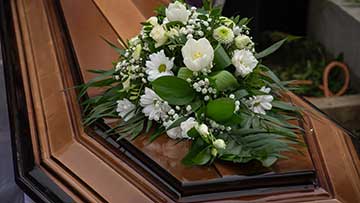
[197,54]
[159,65]
[223,35]
[219,144]
[158,33]
[126,109]
[243,41]
[244,62]
[154,107]
[187,125]
[258,104]
[177,12]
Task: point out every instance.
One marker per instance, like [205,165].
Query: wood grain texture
[93,169]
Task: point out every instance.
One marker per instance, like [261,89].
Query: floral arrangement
[195,76]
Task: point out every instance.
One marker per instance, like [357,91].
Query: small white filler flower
[159,65]
[154,107]
[244,62]
[126,109]
[197,54]
[177,12]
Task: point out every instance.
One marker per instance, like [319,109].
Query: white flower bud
[203,130]
[220,144]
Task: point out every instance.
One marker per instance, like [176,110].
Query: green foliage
[221,58]
[221,109]
[174,90]
[184,73]
[270,49]
[224,80]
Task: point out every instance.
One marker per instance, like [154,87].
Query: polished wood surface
[92,170]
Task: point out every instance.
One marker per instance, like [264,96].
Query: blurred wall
[336,24]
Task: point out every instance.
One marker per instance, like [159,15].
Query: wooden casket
[49,45]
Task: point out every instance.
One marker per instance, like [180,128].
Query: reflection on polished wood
[92,170]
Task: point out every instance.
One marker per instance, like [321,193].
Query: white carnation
[197,54]
[126,109]
[177,12]
[244,62]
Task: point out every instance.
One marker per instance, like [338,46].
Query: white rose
[244,62]
[197,54]
[187,125]
[177,12]
[219,144]
[153,20]
[158,33]
[242,41]
[203,130]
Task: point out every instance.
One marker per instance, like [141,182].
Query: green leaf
[177,122]
[224,80]
[203,157]
[221,109]
[269,161]
[193,133]
[156,134]
[221,58]
[239,94]
[117,49]
[196,147]
[270,49]
[174,90]
[184,73]
[174,24]
[285,106]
